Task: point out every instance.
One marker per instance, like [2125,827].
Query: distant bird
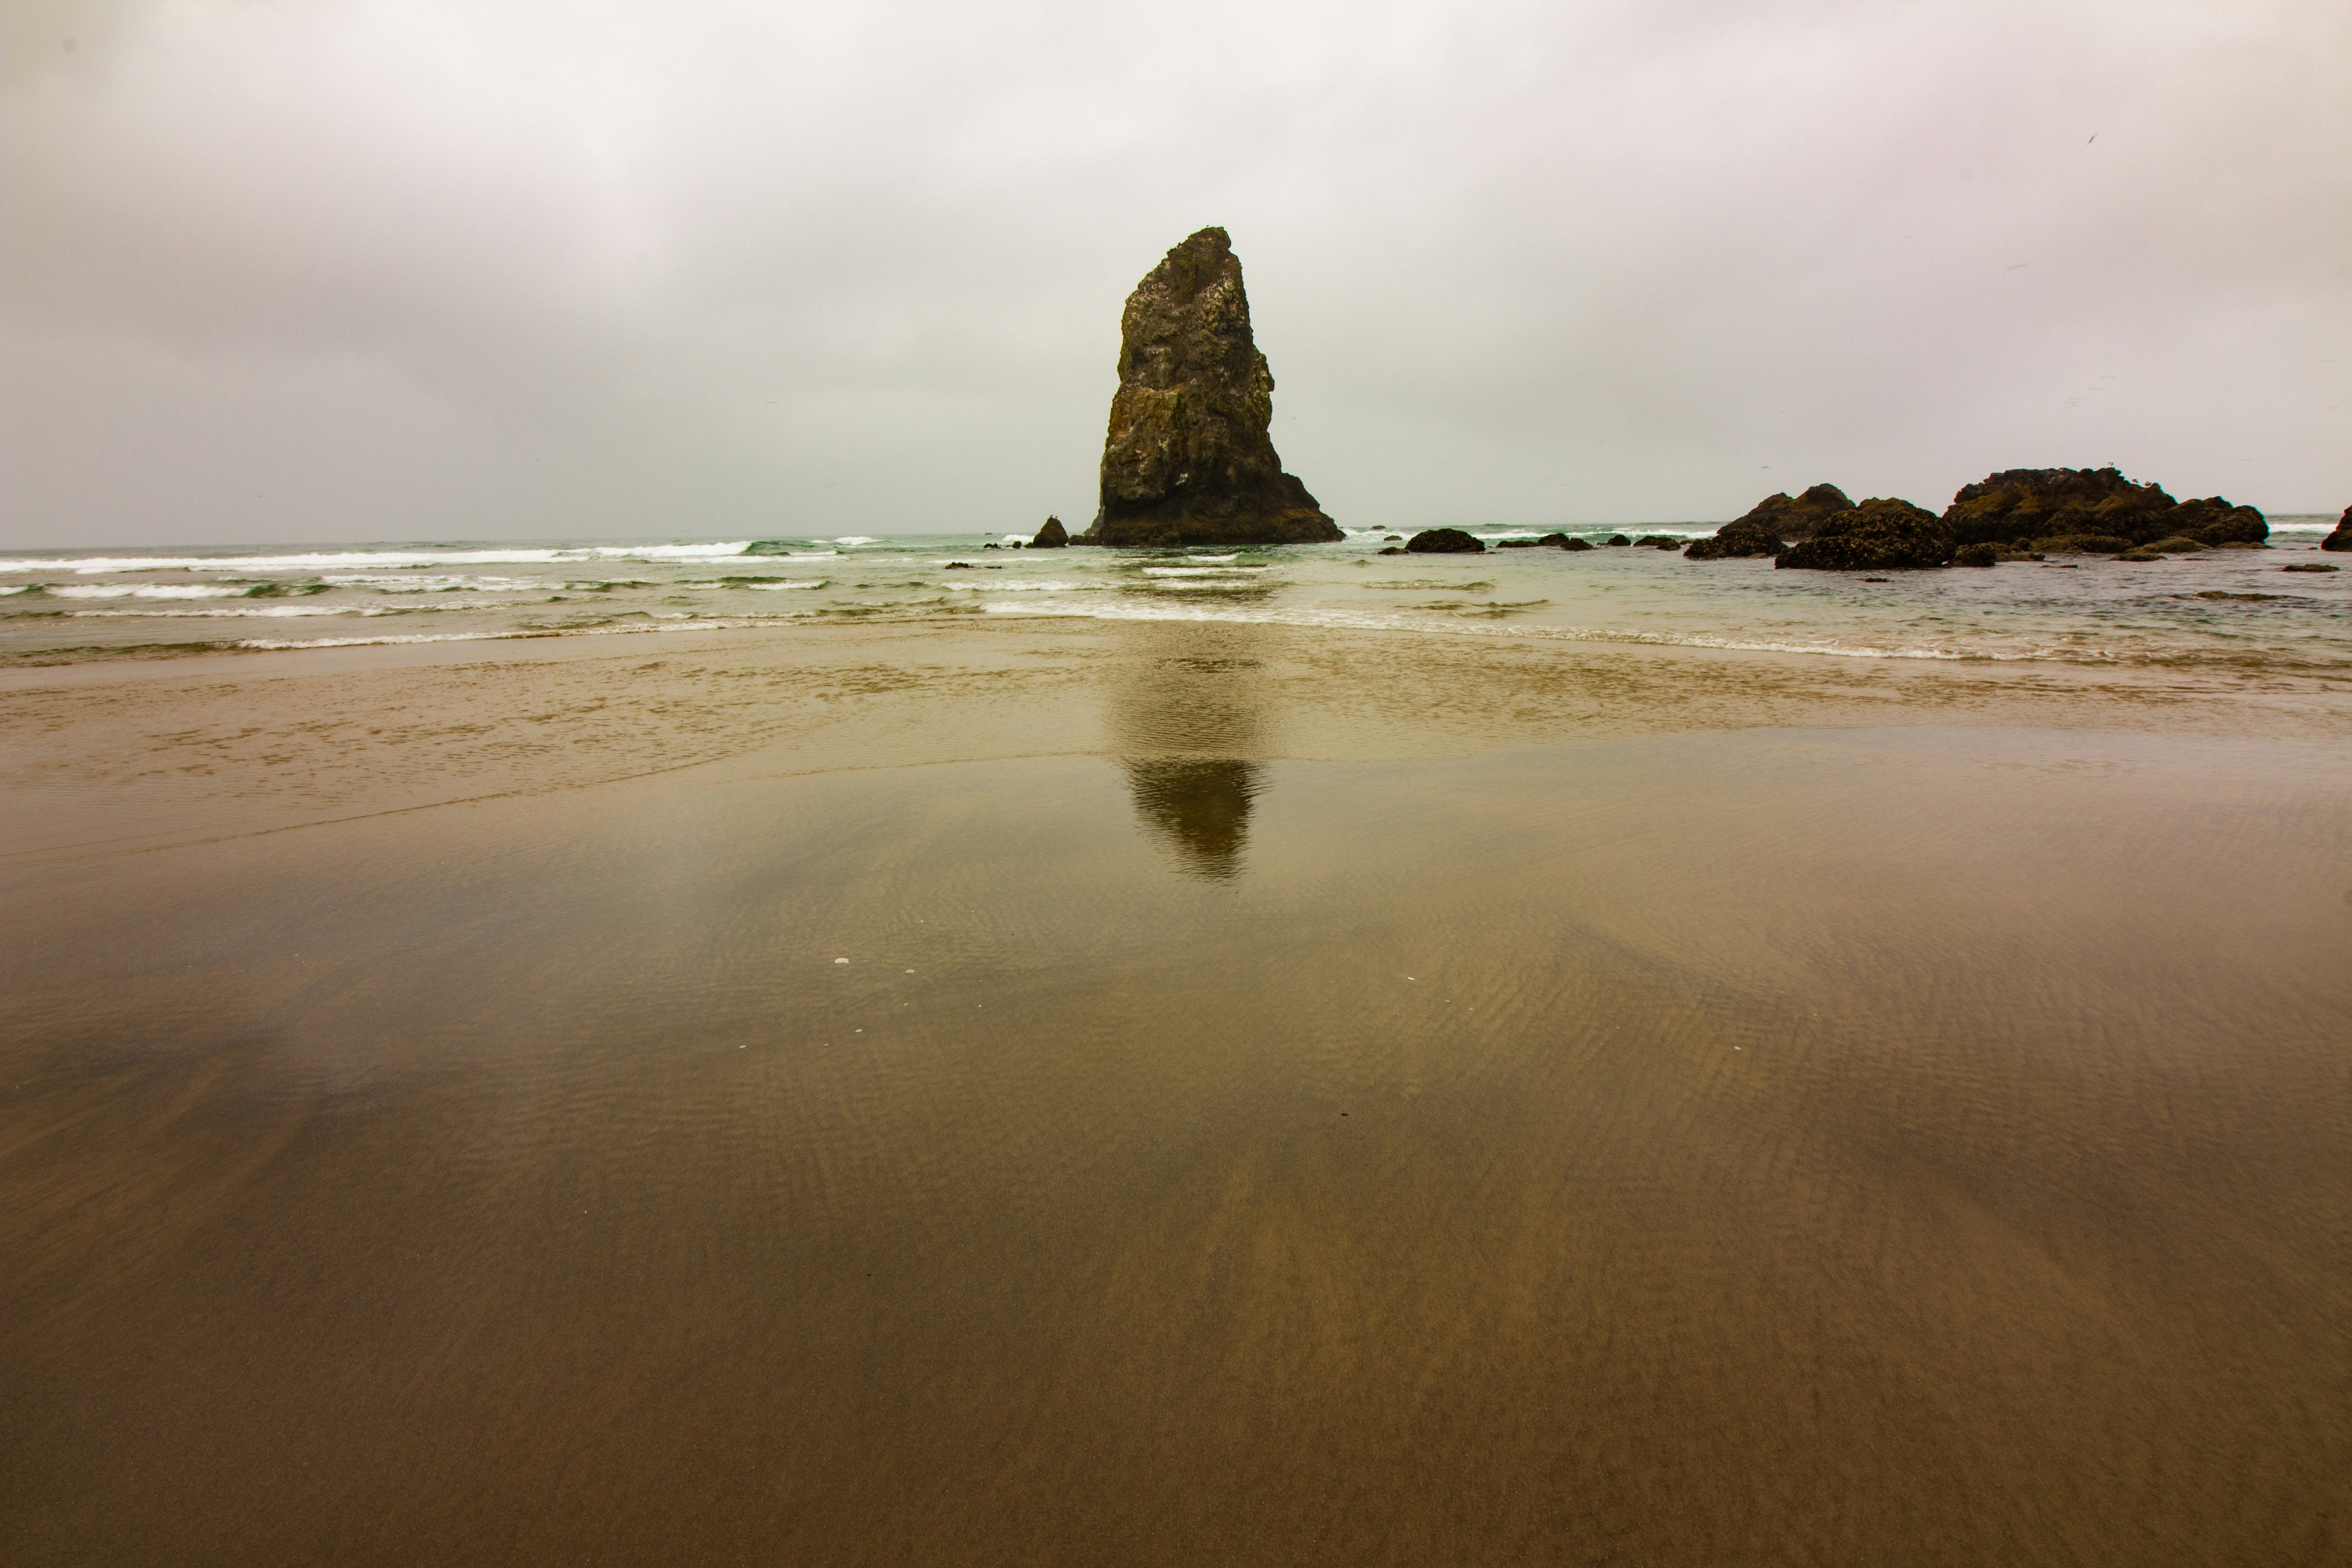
[2094,136]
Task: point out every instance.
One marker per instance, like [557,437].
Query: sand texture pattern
[1279,1106]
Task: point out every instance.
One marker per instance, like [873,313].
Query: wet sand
[1290,1099]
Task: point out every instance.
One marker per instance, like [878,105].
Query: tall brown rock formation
[1188,460]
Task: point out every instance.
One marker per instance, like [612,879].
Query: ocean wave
[151,591]
[779,584]
[440,583]
[320,561]
[1199,571]
[274,611]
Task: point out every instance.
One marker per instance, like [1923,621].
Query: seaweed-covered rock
[1737,539]
[1188,460]
[1657,541]
[1442,541]
[2084,545]
[1569,541]
[1618,539]
[1978,555]
[2177,544]
[1798,517]
[2311,566]
[2020,504]
[1052,536]
[2342,538]
[2213,520]
[1880,532]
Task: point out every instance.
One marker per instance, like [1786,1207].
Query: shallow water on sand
[2236,614]
[1860,1146]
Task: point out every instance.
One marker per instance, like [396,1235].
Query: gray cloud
[279,271]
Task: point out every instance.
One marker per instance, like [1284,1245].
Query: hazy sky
[282,272]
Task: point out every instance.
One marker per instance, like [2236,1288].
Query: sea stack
[1188,460]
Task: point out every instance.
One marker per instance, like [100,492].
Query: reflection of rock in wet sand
[1198,808]
[1188,709]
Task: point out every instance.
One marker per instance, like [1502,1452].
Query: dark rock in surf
[1443,542]
[1052,536]
[1772,523]
[1880,532]
[2342,538]
[1741,538]
[1976,555]
[1618,539]
[2041,506]
[1186,460]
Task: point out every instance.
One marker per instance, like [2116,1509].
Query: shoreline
[327,733]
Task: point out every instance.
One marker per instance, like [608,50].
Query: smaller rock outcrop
[1740,538]
[1442,541]
[1772,522]
[1976,555]
[2083,544]
[1880,533]
[1052,536]
[2342,538]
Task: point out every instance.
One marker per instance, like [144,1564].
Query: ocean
[2220,611]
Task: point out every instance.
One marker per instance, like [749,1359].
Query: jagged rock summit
[1188,460]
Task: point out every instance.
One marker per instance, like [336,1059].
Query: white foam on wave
[272,611]
[311,560]
[442,583]
[1018,586]
[628,628]
[1200,571]
[151,591]
[856,538]
[281,644]
[776,587]
[359,560]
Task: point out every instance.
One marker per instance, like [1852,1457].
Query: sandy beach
[1282,1103]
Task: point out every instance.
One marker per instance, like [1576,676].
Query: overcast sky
[281,271]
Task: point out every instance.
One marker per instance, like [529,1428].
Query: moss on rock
[1881,533]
